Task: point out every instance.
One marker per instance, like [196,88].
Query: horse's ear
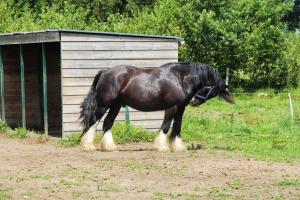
[224,94]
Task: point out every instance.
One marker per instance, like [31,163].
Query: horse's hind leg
[87,139]
[161,141]
[107,143]
[176,143]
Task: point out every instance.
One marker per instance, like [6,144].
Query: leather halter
[211,89]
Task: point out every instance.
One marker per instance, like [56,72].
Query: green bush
[292,59]
[250,37]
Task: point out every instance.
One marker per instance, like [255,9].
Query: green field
[256,125]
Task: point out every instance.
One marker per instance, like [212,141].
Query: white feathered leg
[107,143]
[87,140]
[176,144]
[161,142]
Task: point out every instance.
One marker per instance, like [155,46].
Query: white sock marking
[88,138]
[177,144]
[107,143]
[161,142]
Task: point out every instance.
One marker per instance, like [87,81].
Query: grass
[70,141]
[215,192]
[138,166]
[3,127]
[290,183]
[175,195]
[256,125]
[21,133]
[18,133]
[122,133]
[5,192]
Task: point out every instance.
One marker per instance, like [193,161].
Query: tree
[248,36]
[293,17]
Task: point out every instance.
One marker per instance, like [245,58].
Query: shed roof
[54,36]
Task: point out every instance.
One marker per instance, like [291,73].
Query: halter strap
[211,88]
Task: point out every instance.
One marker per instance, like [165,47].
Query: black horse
[170,87]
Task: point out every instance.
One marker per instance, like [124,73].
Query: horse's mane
[207,73]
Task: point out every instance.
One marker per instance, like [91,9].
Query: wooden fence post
[291,108]
[227,77]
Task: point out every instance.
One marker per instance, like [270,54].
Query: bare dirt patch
[46,171]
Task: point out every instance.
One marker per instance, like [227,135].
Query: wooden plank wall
[83,55]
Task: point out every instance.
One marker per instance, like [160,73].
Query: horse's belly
[146,105]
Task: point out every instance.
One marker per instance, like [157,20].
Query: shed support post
[2,86]
[45,98]
[22,89]
[127,118]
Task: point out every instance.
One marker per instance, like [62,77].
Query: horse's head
[209,92]
[212,86]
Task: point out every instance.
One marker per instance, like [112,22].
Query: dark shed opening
[32,56]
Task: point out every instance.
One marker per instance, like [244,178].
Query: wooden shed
[45,75]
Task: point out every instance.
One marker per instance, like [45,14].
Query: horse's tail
[89,106]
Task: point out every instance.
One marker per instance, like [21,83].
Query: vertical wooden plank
[2,86]
[23,88]
[63,132]
[45,97]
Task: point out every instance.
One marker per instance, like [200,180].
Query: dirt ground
[45,171]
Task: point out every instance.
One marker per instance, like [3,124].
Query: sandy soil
[46,171]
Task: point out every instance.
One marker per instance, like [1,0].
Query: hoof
[89,148]
[176,145]
[161,148]
[161,142]
[108,147]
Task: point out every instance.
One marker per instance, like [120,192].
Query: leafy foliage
[292,59]
[250,37]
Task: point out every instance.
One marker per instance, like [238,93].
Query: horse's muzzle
[196,102]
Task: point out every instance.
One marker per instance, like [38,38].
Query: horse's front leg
[176,143]
[161,142]
[107,143]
